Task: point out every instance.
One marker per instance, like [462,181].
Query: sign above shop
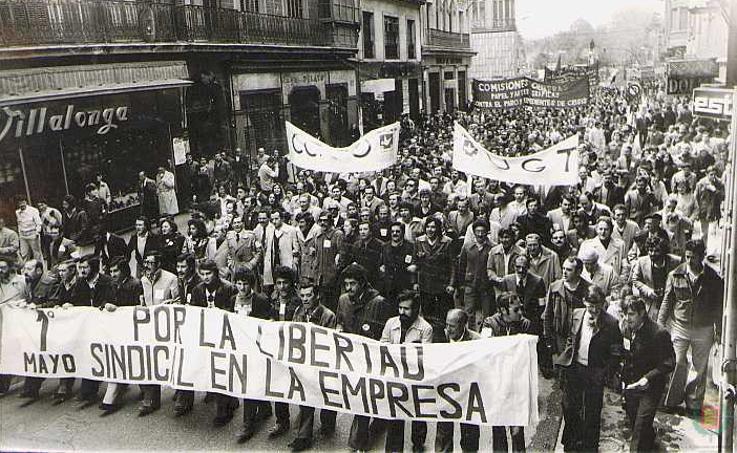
[715,103]
[39,120]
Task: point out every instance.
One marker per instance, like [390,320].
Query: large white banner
[555,166]
[483,382]
[374,151]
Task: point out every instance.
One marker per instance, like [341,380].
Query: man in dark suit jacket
[148,196]
[531,290]
[592,351]
[109,246]
[648,364]
[216,293]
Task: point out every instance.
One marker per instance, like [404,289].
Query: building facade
[116,88]
[389,61]
[697,30]
[446,55]
[494,38]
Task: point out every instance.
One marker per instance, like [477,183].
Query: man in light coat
[165,188]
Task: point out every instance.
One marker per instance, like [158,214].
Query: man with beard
[650,273]
[408,327]
[647,364]
[159,286]
[313,312]
[592,351]
[213,292]
[361,311]
[127,291]
[396,257]
[380,228]
[543,262]
[435,269]
[456,329]
[478,297]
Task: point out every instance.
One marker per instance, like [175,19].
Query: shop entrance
[338,108]
[304,106]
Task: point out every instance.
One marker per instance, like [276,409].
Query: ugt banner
[555,166]
[483,382]
[519,91]
[374,151]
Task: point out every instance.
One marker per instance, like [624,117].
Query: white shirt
[587,333]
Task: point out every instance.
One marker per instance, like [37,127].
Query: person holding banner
[247,303]
[456,330]
[127,292]
[361,311]
[409,327]
[213,292]
[314,312]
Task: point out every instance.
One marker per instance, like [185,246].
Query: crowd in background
[423,249]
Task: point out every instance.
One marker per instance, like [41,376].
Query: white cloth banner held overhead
[555,166]
[484,382]
[374,151]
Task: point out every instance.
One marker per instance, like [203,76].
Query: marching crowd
[612,274]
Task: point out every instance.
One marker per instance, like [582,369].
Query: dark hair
[306,282]
[92,261]
[436,221]
[284,272]
[595,295]
[71,200]
[410,295]
[244,274]
[480,223]
[209,265]
[696,246]
[354,271]
[619,206]
[506,299]
[171,222]
[399,224]
[121,263]
[407,205]
[146,222]
[188,258]
[634,303]
[657,243]
[199,224]
[506,232]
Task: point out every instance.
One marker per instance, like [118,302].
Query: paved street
[43,426]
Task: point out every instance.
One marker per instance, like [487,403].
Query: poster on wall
[181,149]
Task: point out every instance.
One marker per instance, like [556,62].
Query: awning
[52,83]
[377,85]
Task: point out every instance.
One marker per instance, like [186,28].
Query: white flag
[555,166]
[374,151]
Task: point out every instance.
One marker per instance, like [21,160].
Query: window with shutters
[368,35]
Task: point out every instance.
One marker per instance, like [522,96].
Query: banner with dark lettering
[374,151]
[516,92]
[483,382]
[557,165]
[570,73]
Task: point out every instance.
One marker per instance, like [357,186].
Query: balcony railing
[442,38]
[34,22]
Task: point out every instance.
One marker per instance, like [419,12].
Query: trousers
[395,435]
[641,408]
[699,341]
[306,421]
[444,437]
[583,395]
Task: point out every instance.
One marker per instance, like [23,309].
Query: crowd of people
[612,274]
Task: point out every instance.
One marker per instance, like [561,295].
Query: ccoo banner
[555,166]
[516,92]
[374,151]
[488,382]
